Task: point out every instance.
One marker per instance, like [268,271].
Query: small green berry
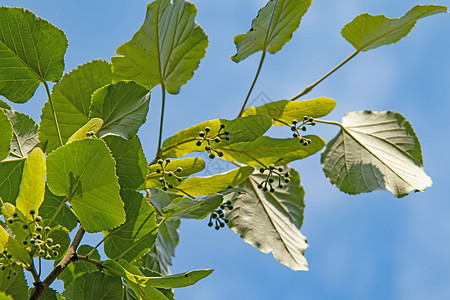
[229,202]
[294,121]
[226,132]
[179,169]
[170,174]
[160,179]
[222,126]
[160,161]
[48,257]
[164,188]
[10,220]
[207,129]
[15,215]
[272,166]
[49,241]
[220,153]
[38,219]
[302,140]
[230,207]
[261,170]
[306,118]
[170,186]
[32,241]
[38,228]
[9,256]
[207,147]
[47,229]
[201,134]
[3,268]
[38,236]
[179,179]
[55,253]
[167,160]
[198,143]
[25,226]
[217,139]
[57,246]
[14,273]
[8,277]
[212,155]
[313,123]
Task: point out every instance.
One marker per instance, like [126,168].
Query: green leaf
[131,164]
[10,178]
[187,208]
[25,137]
[13,247]
[136,236]
[92,126]
[49,294]
[55,208]
[16,285]
[32,187]
[77,268]
[284,111]
[160,256]
[71,98]
[84,173]
[272,28]
[122,106]
[367,32]
[166,50]
[271,221]
[4,105]
[375,151]
[32,51]
[59,235]
[241,130]
[189,166]
[16,228]
[199,186]
[94,286]
[6,134]
[266,150]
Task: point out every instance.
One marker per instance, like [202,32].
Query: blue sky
[371,246]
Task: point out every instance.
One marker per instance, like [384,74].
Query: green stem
[329,122]
[253,84]
[89,260]
[54,113]
[310,87]
[161,123]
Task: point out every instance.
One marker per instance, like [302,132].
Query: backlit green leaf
[10,178]
[199,186]
[240,130]
[367,32]
[16,228]
[84,173]
[92,126]
[6,134]
[13,247]
[136,236]
[284,111]
[375,151]
[131,164]
[31,51]
[71,98]
[25,135]
[15,285]
[272,28]
[32,187]
[188,166]
[187,208]
[271,221]
[94,286]
[266,150]
[122,106]
[166,50]
[55,208]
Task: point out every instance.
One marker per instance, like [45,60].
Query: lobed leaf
[367,32]
[6,135]
[136,236]
[122,106]
[25,135]
[271,221]
[266,150]
[84,173]
[272,28]
[94,286]
[71,98]
[241,130]
[166,50]
[31,51]
[131,164]
[284,111]
[188,208]
[375,151]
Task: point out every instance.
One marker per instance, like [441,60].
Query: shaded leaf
[25,136]
[199,186]
[10,179]
[131,164]
[271,221]
[13,247]
[84,173]
[375,151]
[77,268]
[32,187]
[284,111]
[6,134]
[272,28]
[367,32]
[92,126]
[166,50]
[71,98]
[55,208]
[31,51]
[122,106]
[266,150]
[189,166]
[240,130]
[16,285]
[49,294]
[187,208]
[136,236]
[4,105]
[94,286]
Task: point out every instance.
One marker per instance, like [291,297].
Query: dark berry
[10,220]
[226,132]
[280,169]
[8,277]
[39,228]
[214,216]
[226,220]
[38,219]
[295,135]
[57,246]
[170,186]
[304,128]
[179,179]
[158,170]
[310,119]
[222,126]
[207,129]
[198,143]
[165,188]
[302,140]
[306,118]
[227,138]
[222,225]
[207,147]
[167,160]
[210,224]
[48,257]
[260,186]
[217,139]
[179,169]
[272,190]
[170,174]
[261,170]
[41,252]
[15,215]
[160,161]
[272,166]
[230,207]
[287,180]
[160,179]
[212,155]
[280,186]
[294,121]
[217,227]
[293,128]
[220,153]
[305,143]
[222,206]
[25,243]
[201,134]
[265,189]
[25,226]
[313,123]
[47,229]
[32,212]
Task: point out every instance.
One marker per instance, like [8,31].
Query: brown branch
[70,256]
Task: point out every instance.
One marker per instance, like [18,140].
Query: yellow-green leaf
[93,125]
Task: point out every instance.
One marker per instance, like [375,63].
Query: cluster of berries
[38,238]
[217,218]
[297,126]
[203,136]
[274,171]
[90,134]
[6,262]
[171,174]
